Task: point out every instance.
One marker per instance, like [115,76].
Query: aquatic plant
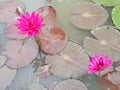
[30,24]
[99,63]
[116,16]
[107,3]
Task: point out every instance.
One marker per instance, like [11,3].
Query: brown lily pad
[49,14]
[113,77]
[52,41]
[107,85]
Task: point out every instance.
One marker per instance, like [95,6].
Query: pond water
[83,36]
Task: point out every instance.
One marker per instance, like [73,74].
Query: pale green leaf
[116,16]
[107,2]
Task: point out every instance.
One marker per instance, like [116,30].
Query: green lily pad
[107,2]
[116,16]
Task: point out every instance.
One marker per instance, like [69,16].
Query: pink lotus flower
[30,24]
[99,63]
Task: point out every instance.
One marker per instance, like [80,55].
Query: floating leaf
[52,41]
[112,77]
[107,2]
[63,17]
[20,53]
[8,9]
[49,14]
[71,84]
[88,15]
[11,31]
[69,64]
[105,84]
[116,16]
[104,44]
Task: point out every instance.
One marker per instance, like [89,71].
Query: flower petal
[30,24]
[99,63]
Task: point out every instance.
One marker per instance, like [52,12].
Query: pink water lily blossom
[99,63]
[30,24]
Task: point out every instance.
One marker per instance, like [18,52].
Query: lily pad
[8,9]
[71,84]
[104,44]
[52,41]
[11,32]
[49,14]
[89,15]
[112,77]
[107,2]
[116,16]
[105,84]
[64,12]
[72,62]
[20,53]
